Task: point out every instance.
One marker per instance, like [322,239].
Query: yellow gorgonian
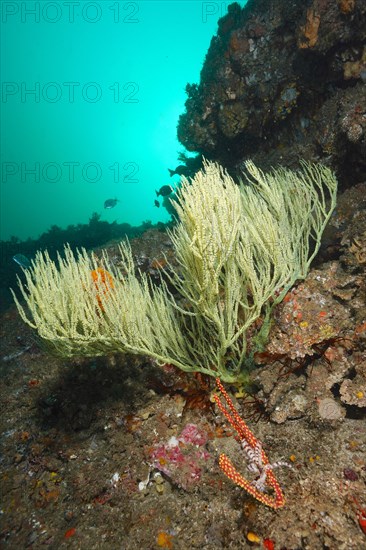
[240,248]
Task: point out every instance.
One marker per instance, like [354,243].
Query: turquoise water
[91,95]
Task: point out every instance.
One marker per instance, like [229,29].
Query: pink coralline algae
[192,434]
[182,458]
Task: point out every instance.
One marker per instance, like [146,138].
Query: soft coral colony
[240,248]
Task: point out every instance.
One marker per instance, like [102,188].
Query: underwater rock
[329,409]
[291,406]
[353,391]
[280,82]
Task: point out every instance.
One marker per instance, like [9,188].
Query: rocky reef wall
[283,80]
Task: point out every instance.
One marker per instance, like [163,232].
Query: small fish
[181,170]
[110,203]
[22,260]
[164,191]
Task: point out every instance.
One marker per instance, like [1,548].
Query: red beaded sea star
[258,461]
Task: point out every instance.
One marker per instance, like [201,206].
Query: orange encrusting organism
[164,540]
[103,282]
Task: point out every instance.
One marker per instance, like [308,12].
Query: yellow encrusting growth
[240,248]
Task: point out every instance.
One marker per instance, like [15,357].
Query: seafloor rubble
[283,81]
[118,452]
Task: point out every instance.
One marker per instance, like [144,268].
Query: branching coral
[239,247]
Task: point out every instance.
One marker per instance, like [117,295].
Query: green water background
[91,95]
